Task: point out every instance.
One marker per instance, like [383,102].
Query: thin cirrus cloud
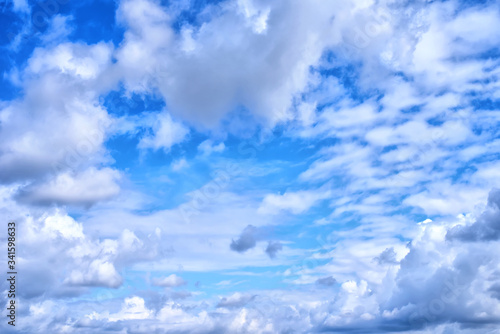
[252,167]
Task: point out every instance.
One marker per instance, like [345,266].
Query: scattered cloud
[85,188]
[247,240]
[487,226]
[207,147]
[179,164]
[362,135]
[272,249]
[170,281]
[236,300]
[166,133]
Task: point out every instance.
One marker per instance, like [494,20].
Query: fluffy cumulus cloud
[86,188]
[245,166]
[205,76]
[58,125]
[486,228]
[98,273]
[166,133]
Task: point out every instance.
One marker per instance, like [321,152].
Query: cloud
[133,308]
[62,225]
[207,147]
[437,285]
[350,157]
[166,133]
[170,281]
[98,273]
[83,261]
[326,281]
[487,226]
[58,124]
[21,6]
[236,300]
[388,256]
[295,202]
[401,124]
[179,165]
[183,320]
[83,188]
[247,240]
[77,63]
[273,247]
[58,30]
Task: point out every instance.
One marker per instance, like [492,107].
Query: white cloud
[166,133]
[98,273]
[149,33]
[420,133]
[58,30]
[58,124]
[216,74]
[207,147]
[21,6]
[350,157]
[133,308]
[235,300]
[179,319]
[170,281]
[180,164]
[79,60]
[63,225]
[443,198]
[294,202]
[387,272]
[429,281]
[82,188]
[74,260]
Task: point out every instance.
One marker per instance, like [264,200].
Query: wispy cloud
[338,159]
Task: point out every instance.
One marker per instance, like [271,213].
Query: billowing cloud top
[246,166]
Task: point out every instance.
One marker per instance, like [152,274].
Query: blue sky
[252,167]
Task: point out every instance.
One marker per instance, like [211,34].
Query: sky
[251,166]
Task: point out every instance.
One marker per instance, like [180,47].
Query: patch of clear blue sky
[466,4]
[95,21]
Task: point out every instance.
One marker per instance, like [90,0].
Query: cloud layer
[245,166]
